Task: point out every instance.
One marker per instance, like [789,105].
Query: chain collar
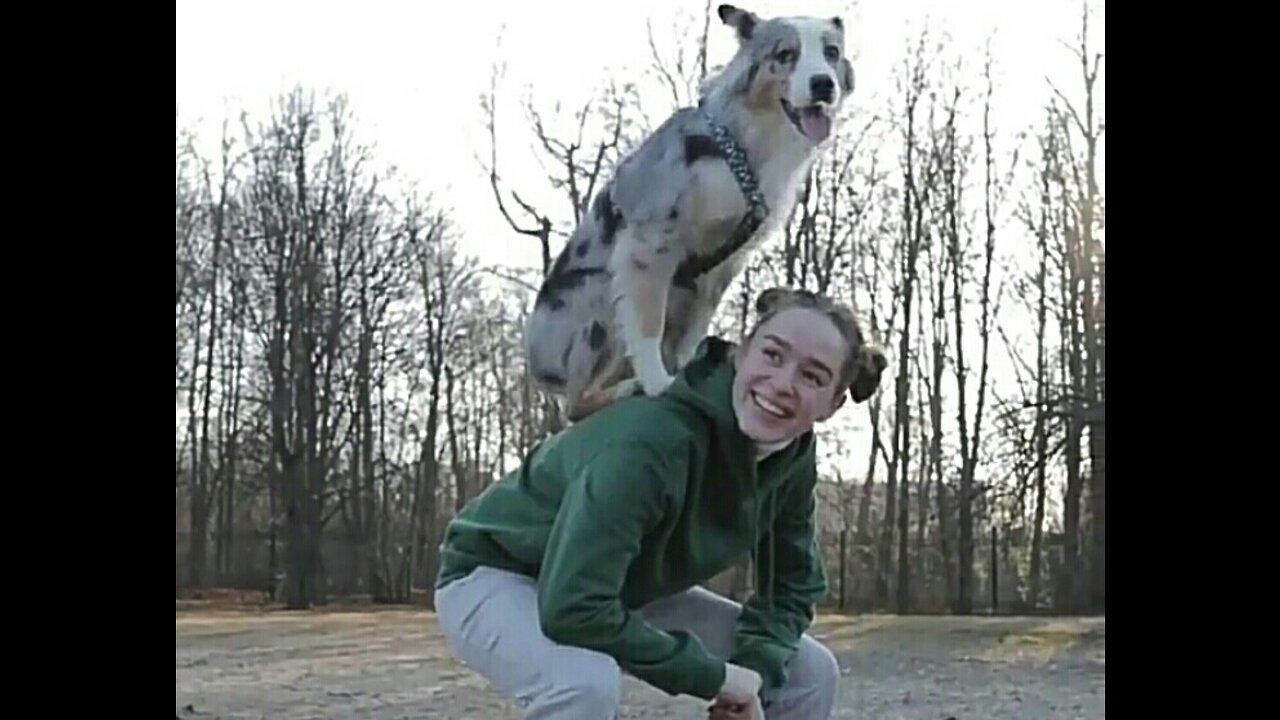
[695,266]
[757,208]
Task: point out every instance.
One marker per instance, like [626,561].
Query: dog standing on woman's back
[635,289]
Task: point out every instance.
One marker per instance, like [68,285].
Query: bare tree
[380,279]
[681,75]
[1040,431]
[1087,257]
[918,174]
[201,466]
[542,225]
[445,277]
[299,195]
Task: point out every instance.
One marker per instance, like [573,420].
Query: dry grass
[241,662]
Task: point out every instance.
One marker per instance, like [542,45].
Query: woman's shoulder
[648,430]
[646,423]
[676,422]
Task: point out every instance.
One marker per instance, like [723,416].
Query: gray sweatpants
[490,620]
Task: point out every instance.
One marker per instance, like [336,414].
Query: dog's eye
[787,56]
[832,52]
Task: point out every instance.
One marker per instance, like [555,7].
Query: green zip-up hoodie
[644,499]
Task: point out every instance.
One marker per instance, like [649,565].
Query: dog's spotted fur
[615,313]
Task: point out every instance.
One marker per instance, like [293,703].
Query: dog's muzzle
[822,88]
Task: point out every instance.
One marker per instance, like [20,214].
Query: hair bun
[870,366]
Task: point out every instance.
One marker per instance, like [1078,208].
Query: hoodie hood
[706,384]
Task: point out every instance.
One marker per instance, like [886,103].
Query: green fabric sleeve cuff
[708,681]
[768,660]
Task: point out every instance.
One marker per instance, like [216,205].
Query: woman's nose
[782,384]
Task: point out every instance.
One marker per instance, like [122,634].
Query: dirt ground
[392,664]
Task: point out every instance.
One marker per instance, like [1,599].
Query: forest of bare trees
[348,374]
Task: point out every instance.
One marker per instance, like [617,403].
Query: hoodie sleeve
[790,580]
[618,495]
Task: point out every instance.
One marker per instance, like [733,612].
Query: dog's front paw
[656,384]
[649,368]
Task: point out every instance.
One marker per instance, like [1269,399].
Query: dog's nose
[822,87]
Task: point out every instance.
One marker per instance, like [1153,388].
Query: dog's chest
[718,205]
[779,180]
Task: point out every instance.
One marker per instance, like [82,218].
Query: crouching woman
[585,561]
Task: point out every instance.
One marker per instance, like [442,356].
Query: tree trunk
[915,199]
[936,422]
[923,564]
[455,461]
[1039,432]
[1072,588]
[1098,475]
[304,476]
[963,599]
[196,501]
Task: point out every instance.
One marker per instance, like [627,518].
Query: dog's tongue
[815,123]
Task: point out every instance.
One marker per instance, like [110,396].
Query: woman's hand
[739,697]
[725,710]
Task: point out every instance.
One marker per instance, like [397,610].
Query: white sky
[414,70]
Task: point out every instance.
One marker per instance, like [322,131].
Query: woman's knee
[815,666]
[589,685]
[811,687]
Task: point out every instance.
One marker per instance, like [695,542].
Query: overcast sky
[414,69]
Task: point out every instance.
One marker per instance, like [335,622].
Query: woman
[585,560]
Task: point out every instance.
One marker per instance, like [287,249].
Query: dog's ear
[769,299]
[866,377]
[838,22]
[846,77]
[744,21]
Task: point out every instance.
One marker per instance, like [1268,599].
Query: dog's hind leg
[643,266]
[610,367]
[598,398]
[588,362]
[602,398]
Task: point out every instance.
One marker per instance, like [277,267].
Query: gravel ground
[392,664]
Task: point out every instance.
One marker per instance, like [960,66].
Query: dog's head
[794,67]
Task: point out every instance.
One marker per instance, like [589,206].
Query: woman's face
[786,376]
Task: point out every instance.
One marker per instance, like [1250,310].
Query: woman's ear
[836,403]
[866,378]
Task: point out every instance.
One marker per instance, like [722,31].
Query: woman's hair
[864,362]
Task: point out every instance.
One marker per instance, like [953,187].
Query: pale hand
[739,697]
[724,710]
